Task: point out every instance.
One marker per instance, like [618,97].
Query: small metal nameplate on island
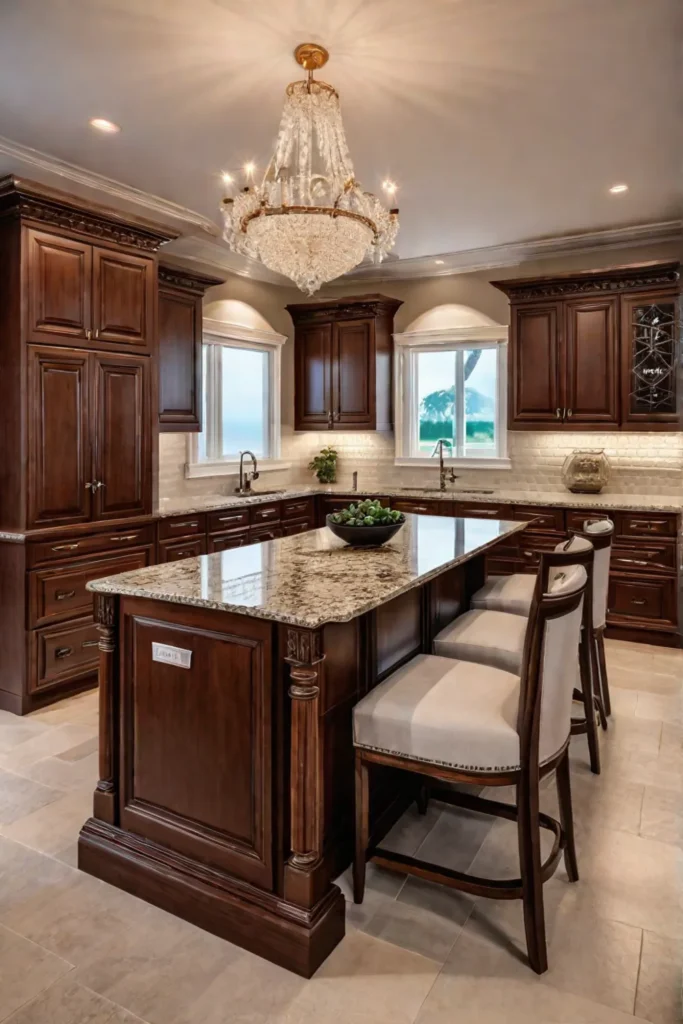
[170,655]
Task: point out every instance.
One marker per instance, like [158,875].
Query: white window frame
[217,332]
[406,345]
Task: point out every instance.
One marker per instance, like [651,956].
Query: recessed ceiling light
[249,168]
[103,125]
[440,262]
[389,186]
[227,178]
[615,189]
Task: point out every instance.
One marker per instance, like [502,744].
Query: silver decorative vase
[586,472]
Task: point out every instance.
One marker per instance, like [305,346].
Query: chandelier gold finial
[311,56]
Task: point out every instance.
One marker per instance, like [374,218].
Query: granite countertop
[564,499]
[312,578]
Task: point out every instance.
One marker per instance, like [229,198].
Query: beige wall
[643,462]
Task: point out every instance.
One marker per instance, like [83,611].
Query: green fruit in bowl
[367,513]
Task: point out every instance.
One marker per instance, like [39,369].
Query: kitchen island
[227,684]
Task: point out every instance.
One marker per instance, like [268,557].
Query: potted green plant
[324,465]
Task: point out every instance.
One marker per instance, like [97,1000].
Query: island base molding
[263,923]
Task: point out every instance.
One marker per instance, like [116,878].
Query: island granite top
[313,578]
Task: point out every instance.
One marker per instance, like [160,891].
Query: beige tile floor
[73,950]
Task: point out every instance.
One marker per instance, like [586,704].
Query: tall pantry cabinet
[78,412]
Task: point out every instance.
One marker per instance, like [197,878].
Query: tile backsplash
[647,463]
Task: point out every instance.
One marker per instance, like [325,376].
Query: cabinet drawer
[62,653]
[265,533]
[231,539]
[58,594]
[109,540]
[228,519]
[298,508]
[181,526]
[540,520]
[658,557]
[263,514]
[577,517]
[420,508]
[530,551]
[501,566]
[288,529]
[652,600]
[490,510]
[174,550]
[635,524]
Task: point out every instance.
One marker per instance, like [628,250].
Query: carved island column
[104,802]
[304,882]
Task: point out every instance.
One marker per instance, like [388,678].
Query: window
[241,406]
[452,391]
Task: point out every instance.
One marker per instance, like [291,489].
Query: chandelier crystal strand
[309,219]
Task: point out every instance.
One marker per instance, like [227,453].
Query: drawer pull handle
[267,512]
[65,547]
[416,508]
[90,643]
[64,652]
[633,561]
[638,600]
[125,536]
[651,525]
[179,526]
[480,512]
[231,519]
[62,595]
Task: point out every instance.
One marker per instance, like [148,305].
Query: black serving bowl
[364,536]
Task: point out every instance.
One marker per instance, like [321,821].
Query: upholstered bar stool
[496,638]
[514,594]
[456,721]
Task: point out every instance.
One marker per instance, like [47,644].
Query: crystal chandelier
[309,219]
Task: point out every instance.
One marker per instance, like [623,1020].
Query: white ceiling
[501,120]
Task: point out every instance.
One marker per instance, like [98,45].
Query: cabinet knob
[88,333]
[558,413]
[569,414]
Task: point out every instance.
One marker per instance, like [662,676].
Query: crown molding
[490,257]
[114,190]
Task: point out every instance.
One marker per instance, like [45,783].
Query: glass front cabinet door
[651,344]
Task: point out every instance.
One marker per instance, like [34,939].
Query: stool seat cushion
[488,637]
[445,712]
[512,594]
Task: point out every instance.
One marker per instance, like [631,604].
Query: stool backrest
[551,658]
[600,532]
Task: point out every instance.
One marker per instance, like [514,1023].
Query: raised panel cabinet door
[313,377]
[196,745]
[58,288]
[59,447]
[121,396]
[591,362]
[180,361]
[650,353]
[353,374]
[123,298]
[534,385]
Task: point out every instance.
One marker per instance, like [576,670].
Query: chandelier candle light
[309,219]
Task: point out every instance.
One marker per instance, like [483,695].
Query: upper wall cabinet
[343,354]
[180,348]
[595,351]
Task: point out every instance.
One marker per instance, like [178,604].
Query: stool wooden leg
[604,683]
[362,828]
[529,838]
[597,681]
[422,799]
[589,704]
[564,795]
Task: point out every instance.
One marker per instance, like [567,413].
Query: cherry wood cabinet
[343,363]
[122,434]
[180,348]
[78,324]
[595,350]
[58,403]
[58,287]
[85,294]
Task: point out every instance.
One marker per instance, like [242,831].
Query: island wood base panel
[296,939]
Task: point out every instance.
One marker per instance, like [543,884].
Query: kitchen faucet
[443,472]
[245,478]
